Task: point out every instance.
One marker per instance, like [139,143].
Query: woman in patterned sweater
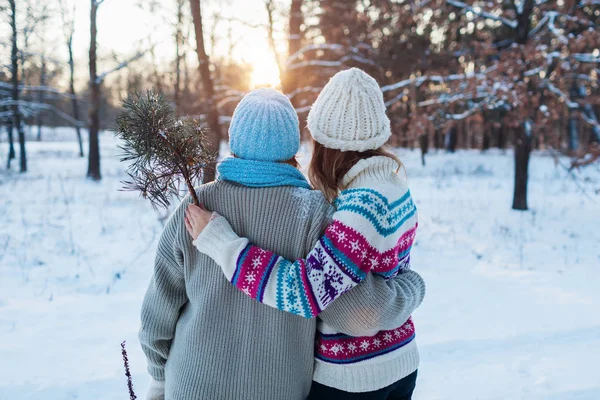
[372,230]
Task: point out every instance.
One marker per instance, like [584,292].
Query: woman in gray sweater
[203,338]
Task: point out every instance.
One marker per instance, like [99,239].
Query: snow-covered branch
[100,78]
[48,89]
[445,99]
[539,25]
[586,57]
[228,100]
[245,23]
[560,94]
[355,50]
[473,110]
[534,71]
[303,109]
[24,54]
[480,13]
[29,109]
[306,89]
[593,122]
[227,90]
[437,79]
[551,18]
[313,47]
[338,63]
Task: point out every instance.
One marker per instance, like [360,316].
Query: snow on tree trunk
[214,134]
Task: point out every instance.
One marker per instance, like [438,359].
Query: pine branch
[164,151]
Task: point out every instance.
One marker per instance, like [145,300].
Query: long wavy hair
[328,166]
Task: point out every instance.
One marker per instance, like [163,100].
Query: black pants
[401,390]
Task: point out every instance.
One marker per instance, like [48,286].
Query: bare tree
[178,52]
[270,5]
[96,80]
[11,144]
[15,85]
[214,134]
[43,76]
[94,99]
[68,20]
[294,43]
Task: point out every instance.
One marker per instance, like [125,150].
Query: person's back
[242,348]
[203,338]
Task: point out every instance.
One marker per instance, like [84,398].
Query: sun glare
[265,73]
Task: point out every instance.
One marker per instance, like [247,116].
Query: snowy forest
[495,113]
[475,75]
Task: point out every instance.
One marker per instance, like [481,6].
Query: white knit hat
[349,114]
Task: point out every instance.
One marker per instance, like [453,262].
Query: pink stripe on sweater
[251,272]
[358,249]
[346,349]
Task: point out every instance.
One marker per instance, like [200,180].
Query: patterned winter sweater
[372,230]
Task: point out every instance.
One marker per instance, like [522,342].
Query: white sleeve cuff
[156,390]
[221,243]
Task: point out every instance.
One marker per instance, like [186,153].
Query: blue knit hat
[264,127]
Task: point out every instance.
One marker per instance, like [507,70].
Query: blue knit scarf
[260,173]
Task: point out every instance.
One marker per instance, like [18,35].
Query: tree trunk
[94,102]
[424,145]
[523,135]
[588,110]
[523,138]
[178,49]
[450,139]
[524,22]
[288,79]
[485,143]
[214,134]
[573,132]
[74,103]
[11,145]
[15,87]
[270,5]
[39,118]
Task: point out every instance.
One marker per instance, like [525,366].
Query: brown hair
[328,166]
[292,161]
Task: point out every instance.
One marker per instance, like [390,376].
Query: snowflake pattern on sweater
[344,349]
[339,261]
[372,231]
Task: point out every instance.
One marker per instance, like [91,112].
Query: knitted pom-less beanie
[264,127]
[349,114]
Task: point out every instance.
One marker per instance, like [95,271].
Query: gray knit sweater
[206,340]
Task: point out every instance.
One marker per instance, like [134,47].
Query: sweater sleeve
[339,261]
[164,299]
[376,304]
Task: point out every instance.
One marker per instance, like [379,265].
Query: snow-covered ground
[512,309]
